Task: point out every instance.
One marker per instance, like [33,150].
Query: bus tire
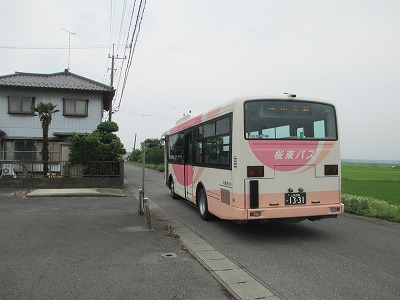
[203,205]
[172,189]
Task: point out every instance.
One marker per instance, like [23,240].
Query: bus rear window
[269,119]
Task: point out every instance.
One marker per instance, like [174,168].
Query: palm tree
[45,112]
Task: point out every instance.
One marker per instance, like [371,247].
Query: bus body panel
[290,166]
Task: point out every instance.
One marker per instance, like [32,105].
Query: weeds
[371,207]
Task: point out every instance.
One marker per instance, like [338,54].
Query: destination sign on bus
[287,108]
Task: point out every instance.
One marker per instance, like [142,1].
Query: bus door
[188,166]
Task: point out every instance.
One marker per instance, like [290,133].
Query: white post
[140,208]
[143,164]
[147,211]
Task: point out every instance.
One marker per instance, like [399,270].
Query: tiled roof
[62,80]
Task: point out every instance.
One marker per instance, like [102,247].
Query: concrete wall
[59,183]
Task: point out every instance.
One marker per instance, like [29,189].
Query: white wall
[15,125]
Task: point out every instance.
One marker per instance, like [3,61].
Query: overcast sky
[196,54]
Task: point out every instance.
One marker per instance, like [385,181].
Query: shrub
[371,207]
[101,145]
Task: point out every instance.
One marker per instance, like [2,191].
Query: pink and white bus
[259,158]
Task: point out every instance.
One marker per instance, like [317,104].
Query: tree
[151,143]
[107,127]
[136,156]
[154,152]
[100,145]
[154,155]
[45,112]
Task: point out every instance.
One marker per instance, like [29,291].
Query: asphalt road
[350,257]
[93,248]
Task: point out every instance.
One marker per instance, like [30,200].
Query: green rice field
[379,181]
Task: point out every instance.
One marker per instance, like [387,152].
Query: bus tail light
[331,170]
[255,214]
[255,171]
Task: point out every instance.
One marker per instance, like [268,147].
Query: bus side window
[224,151]
[175,148]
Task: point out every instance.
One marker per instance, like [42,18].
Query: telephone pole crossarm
[113,58]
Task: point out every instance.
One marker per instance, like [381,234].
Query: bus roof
[191,119]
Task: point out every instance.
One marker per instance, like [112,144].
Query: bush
[371,207]
[155,155]
[135,156]
[101,145]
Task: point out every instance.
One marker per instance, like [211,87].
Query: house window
[29,150]
[20,105]
[75,107]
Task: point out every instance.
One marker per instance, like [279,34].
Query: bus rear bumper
[288,212]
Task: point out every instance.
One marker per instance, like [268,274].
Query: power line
[126,47]
[131,42]
[83,47]
[149,115]
[134,39]
[113,58]
[119,36]
[121,27]
[111,22]
[146,89]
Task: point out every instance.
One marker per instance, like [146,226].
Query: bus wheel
[203,206]
[172,189]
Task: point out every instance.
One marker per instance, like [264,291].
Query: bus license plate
[295,198]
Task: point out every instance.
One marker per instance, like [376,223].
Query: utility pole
[112,78]
[134,143]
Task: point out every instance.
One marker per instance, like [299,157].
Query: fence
[60,169]
[62,174]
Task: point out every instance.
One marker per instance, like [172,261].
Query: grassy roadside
[372,190]
[371,207]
